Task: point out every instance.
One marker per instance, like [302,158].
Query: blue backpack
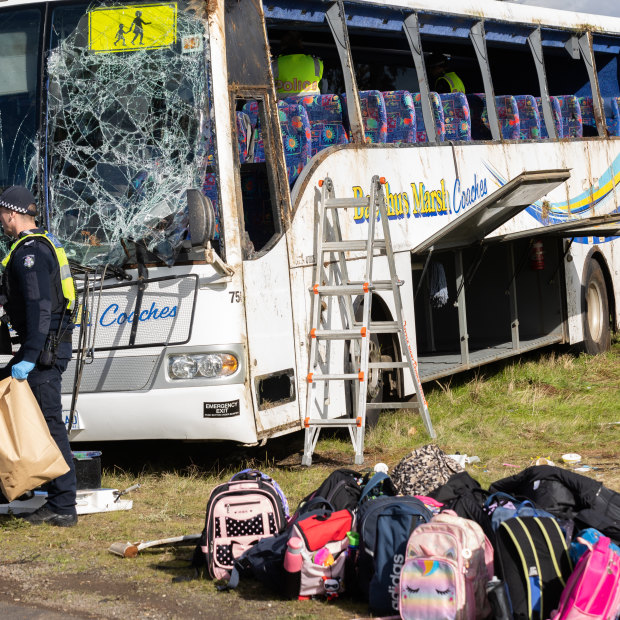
[590,535]
[502,506]
[384,526]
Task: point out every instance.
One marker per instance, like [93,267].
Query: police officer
[295,72]
[444,80]
[39,298]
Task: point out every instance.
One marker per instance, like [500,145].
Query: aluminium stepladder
[356,333]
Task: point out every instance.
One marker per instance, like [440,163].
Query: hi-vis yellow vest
[454,82]
[68,288]
[297,74]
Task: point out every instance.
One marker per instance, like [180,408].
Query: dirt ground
[29,589]
[107,586]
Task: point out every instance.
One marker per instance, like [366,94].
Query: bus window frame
[336,18]
[534,40]
[587,55]
[274,159]
[411,26]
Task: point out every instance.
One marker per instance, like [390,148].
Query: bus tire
[595,315]
[375,381]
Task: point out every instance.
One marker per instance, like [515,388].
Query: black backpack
[340,490]
[535,564]
[466,497]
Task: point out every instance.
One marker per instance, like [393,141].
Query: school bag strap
[373,483]
[316,503]
[500,498]
[256,474]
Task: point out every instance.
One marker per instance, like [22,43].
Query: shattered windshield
[128,127]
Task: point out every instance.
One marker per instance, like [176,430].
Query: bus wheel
[596,328]
[375,381]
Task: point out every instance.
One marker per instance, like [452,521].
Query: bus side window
[312,111]
[606,51]
[260,217]
[569,84]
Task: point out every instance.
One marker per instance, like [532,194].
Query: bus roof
[510,12]
[485,9]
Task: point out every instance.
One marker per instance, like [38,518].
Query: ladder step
[381,285]
[343,289]
[388,365]
[331,422]
[338,334]
[351,246]
[343,203]
[354,288]
[351,376]
[381,327]
[411,405]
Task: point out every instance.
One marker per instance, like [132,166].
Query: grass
[539,406]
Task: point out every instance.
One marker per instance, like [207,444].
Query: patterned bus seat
[209,189]
[401,127]
[456,116]
[557,117]
[507,113]
[244,135]
[572,125]
[529,119]
[612,114]
[296,137]
[373,115]
[587,116]
[440,125]
[326,121]
[258,154]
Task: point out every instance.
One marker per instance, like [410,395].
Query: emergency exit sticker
[132,27]
[226,409]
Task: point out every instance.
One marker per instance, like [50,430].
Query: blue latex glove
[21,370]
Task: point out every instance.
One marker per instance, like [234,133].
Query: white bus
[186,192]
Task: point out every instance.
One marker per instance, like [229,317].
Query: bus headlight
[209,365]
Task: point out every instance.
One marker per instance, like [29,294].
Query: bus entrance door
[271,348]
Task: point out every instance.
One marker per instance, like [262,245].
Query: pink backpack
[239,514]
[449,562]
[592,591]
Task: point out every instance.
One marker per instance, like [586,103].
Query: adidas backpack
[384,526]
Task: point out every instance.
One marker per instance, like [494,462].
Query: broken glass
[128,130]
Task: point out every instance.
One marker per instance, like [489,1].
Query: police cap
[18,198]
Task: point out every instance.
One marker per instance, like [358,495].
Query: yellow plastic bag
[29,455]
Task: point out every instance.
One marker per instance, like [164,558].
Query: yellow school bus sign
[127,28]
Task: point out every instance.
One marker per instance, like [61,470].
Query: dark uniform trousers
[45,384]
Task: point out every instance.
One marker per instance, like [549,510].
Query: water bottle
[292,567]
[350,566]
[498,598]
[354,541]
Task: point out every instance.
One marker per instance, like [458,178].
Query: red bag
[323,552]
